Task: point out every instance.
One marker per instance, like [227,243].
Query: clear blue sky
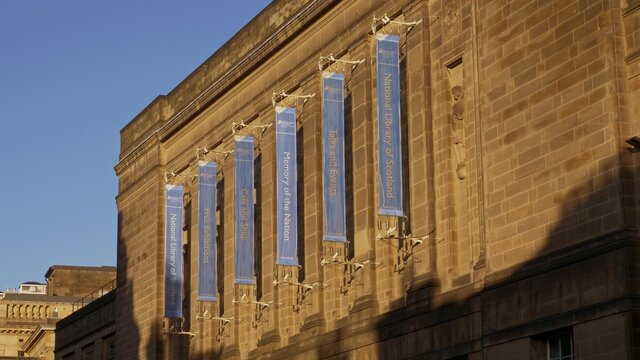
[72,74]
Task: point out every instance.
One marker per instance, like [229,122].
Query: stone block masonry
[520,194]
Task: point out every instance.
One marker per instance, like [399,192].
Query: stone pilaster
[267,322]
[310,301]
[360,285]
[229,333]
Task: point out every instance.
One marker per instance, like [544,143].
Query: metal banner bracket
[276,97]
[173,330]
[326,61]
[384,20]
[351,272]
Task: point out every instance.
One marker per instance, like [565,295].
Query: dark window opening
[300,191]
[257,221]
[220,245]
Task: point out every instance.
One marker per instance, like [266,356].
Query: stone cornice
[143,183]
[245,66]
[633,6]
[298,78]
[560,258]
[5,330]
[142,148]
[226,80]
[282,37]
[37,335]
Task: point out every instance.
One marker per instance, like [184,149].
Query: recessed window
[109,348]
[560,347]
[87,353]
[461,357]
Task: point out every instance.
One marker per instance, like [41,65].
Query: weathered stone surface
[514,119]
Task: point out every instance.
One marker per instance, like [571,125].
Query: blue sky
[72,74]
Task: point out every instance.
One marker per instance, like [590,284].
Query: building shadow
[127,332]
[578,274]
[581,271]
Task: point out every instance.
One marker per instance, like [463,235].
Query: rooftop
[39,298]
[74,267]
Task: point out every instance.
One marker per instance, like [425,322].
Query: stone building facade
[22,314]
[70,280]
[521,231]
[88,333]
[41,343]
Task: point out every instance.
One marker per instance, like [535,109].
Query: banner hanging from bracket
[287,193]
[244,211]
[389,139]
[334,204]
[207,181]
[173,251]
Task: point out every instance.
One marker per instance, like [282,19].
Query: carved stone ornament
[459,149]
[451,16]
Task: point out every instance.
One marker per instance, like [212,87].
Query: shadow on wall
[169,337]
[127,333]
[154,347]
[578,274]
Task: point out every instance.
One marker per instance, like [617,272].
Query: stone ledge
[633,56]
[270,337]
[633,6]
[231,351]
[313,322]
[569,318]
[560,258]
[234,60]
[364,306]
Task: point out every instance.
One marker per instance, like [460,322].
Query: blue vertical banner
[173,251]
[244,257]
[334,209]
[207,181]
[287,192]
[389,147]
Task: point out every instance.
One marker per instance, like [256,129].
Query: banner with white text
[244,257]
[389,147]
[334,209]
[286,177]
[173,252]
[207,181]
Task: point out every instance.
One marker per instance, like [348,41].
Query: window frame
[557,336]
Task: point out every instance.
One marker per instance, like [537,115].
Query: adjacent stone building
[70,280]
[28,316]
[41,343]
[21,314]
[520,239]
[88,333]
